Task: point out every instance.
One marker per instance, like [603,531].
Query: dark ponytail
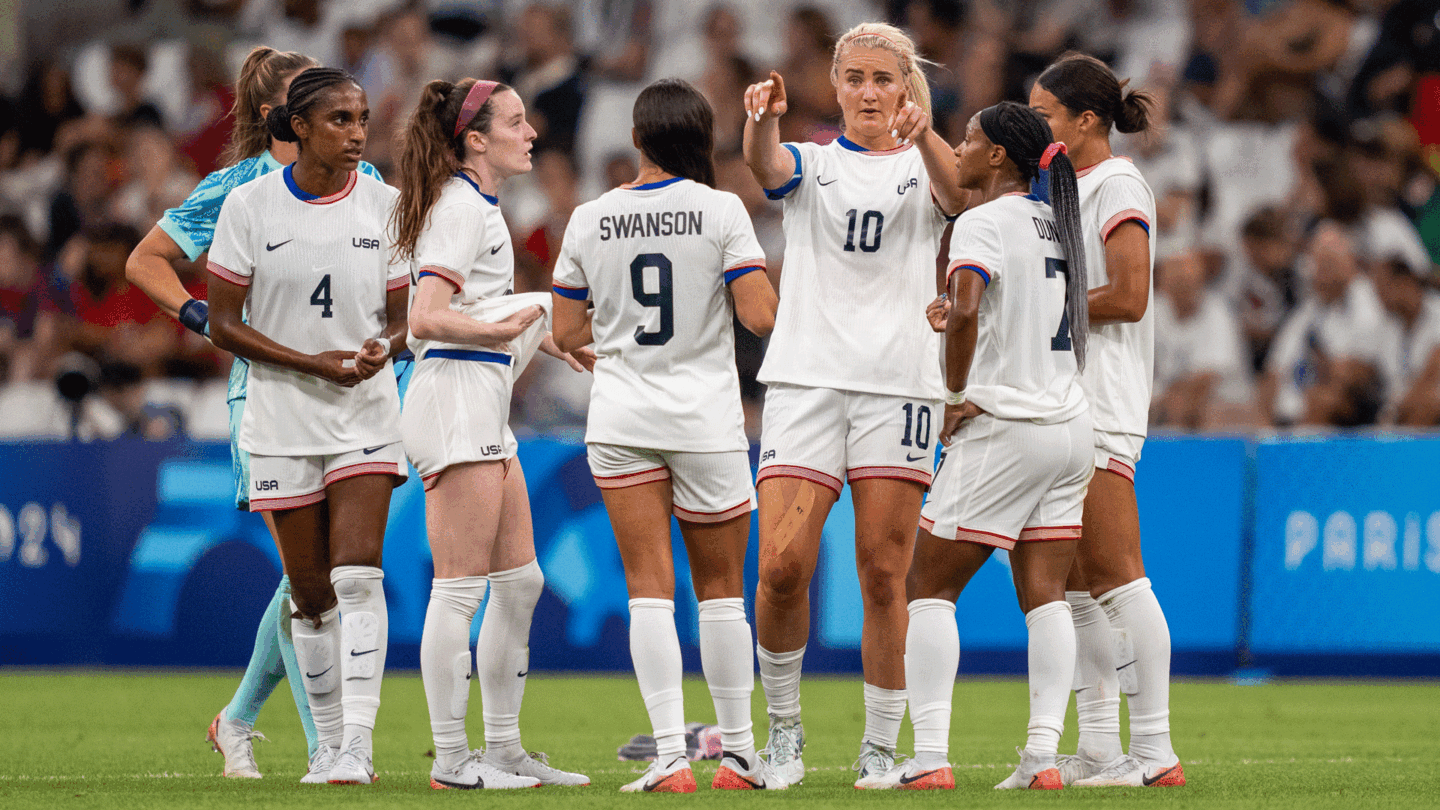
[676,129]
[306,90]
[1083,83]
[1026,138]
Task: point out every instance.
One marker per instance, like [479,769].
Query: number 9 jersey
[656,259]
[319,273]
[862,233]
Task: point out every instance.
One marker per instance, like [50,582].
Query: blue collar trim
[476,186]
[300,194]
[656,184]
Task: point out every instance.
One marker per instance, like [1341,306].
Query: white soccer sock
[364,636]
[655,651]
[780,678]
[729,672]
[1052,670]
[445,663]
[932,657]
[1097,687]
[317,651]
[884,712]
[502,654]
[1134,608]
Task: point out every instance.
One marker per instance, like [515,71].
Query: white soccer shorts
[290,482]
[827,436]
[1118,452]
[457,411]
[1005,480]
[706,487]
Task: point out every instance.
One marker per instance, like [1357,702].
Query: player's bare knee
[784,580]
[882,587]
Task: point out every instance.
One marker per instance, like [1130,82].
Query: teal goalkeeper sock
[266,668]
[292,671]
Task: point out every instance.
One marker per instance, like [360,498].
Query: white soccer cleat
[672,777]
[873,764]
[320,764]
[782,751]
[233,740]
[1080,766]
[911,775]
[734,775]
[353,767]
[476,774]
[536,766]
[1033,773]
[1131,772]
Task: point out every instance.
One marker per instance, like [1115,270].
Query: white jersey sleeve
[232,252]
[450,241]
[569,279]
[740,250]
[975,245]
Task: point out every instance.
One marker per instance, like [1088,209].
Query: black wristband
[195,315]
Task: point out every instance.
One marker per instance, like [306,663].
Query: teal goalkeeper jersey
[192,225]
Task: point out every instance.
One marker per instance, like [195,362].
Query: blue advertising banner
[1347,547]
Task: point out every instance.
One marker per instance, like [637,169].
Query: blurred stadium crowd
[1296,181]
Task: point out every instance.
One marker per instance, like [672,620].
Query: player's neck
[650,173]
[1091,152]
[1000,184]
[880,142]
[314,177]
[284,153]
[487,178]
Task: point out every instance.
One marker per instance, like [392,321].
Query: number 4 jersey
[1024,367]
[862,233]
[656,260]
[319,273]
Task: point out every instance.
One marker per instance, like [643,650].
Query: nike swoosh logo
[522,674]
[269,246]
[321,672]
[496,249]
[654,785]
[822,182]
[370,450]
[1148,781]
[905,780]
[751,782]
[1122,666]
[916,458]
[363,652]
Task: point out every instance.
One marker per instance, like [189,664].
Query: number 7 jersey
[656,260]
[862,234]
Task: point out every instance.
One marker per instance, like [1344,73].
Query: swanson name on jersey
[663,223]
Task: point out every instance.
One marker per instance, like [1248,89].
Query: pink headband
[474,100]
[1051,151]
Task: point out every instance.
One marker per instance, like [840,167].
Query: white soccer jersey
[1024,367]
[656,260]
[862,232]
[318,270]
[1119,366]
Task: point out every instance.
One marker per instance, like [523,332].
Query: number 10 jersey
[657,259]
[319,273]
[862,234]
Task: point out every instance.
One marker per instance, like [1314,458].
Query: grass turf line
[108,740]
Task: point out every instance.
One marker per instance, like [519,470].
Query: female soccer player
[186,232]
[1017,432]
[472,337]
[669,262]
[302,250]
[1118,622]
[854,385]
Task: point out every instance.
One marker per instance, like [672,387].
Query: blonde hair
[262,76]
[889,38]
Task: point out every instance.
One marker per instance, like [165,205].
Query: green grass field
[102,739]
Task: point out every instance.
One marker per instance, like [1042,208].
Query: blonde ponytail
[261,78]
[888,37]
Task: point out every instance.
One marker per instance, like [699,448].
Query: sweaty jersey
[862,232]
[1120,363]
[465,242]
[192,224]
[1023,367]
[656,260]
[319,275]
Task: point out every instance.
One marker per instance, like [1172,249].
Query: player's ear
[300,126]
[997,156]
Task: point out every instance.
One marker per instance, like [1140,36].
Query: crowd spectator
[1202,376]
[1411,344]
[548,76]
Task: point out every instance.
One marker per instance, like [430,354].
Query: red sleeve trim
[445,273]
[397,284]
[760,262]
[225,274]
[1121,218]
[956,265]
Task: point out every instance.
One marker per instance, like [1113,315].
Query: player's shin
[655,649]
[1097,687]
[317,652]
[1052,670]
[503,655]
[932,657]
[286,639]
[729,672]
[1134,609]
[266,666]
[445,663]
[365,633]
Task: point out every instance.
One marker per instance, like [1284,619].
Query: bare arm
[755,302]
[771,165]
[913,124]
[431,318]
[230,333]
[571,322]
[1127,262]
[962,330]
[149,268]
[373,355]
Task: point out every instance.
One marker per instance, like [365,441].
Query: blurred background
[1289,481]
